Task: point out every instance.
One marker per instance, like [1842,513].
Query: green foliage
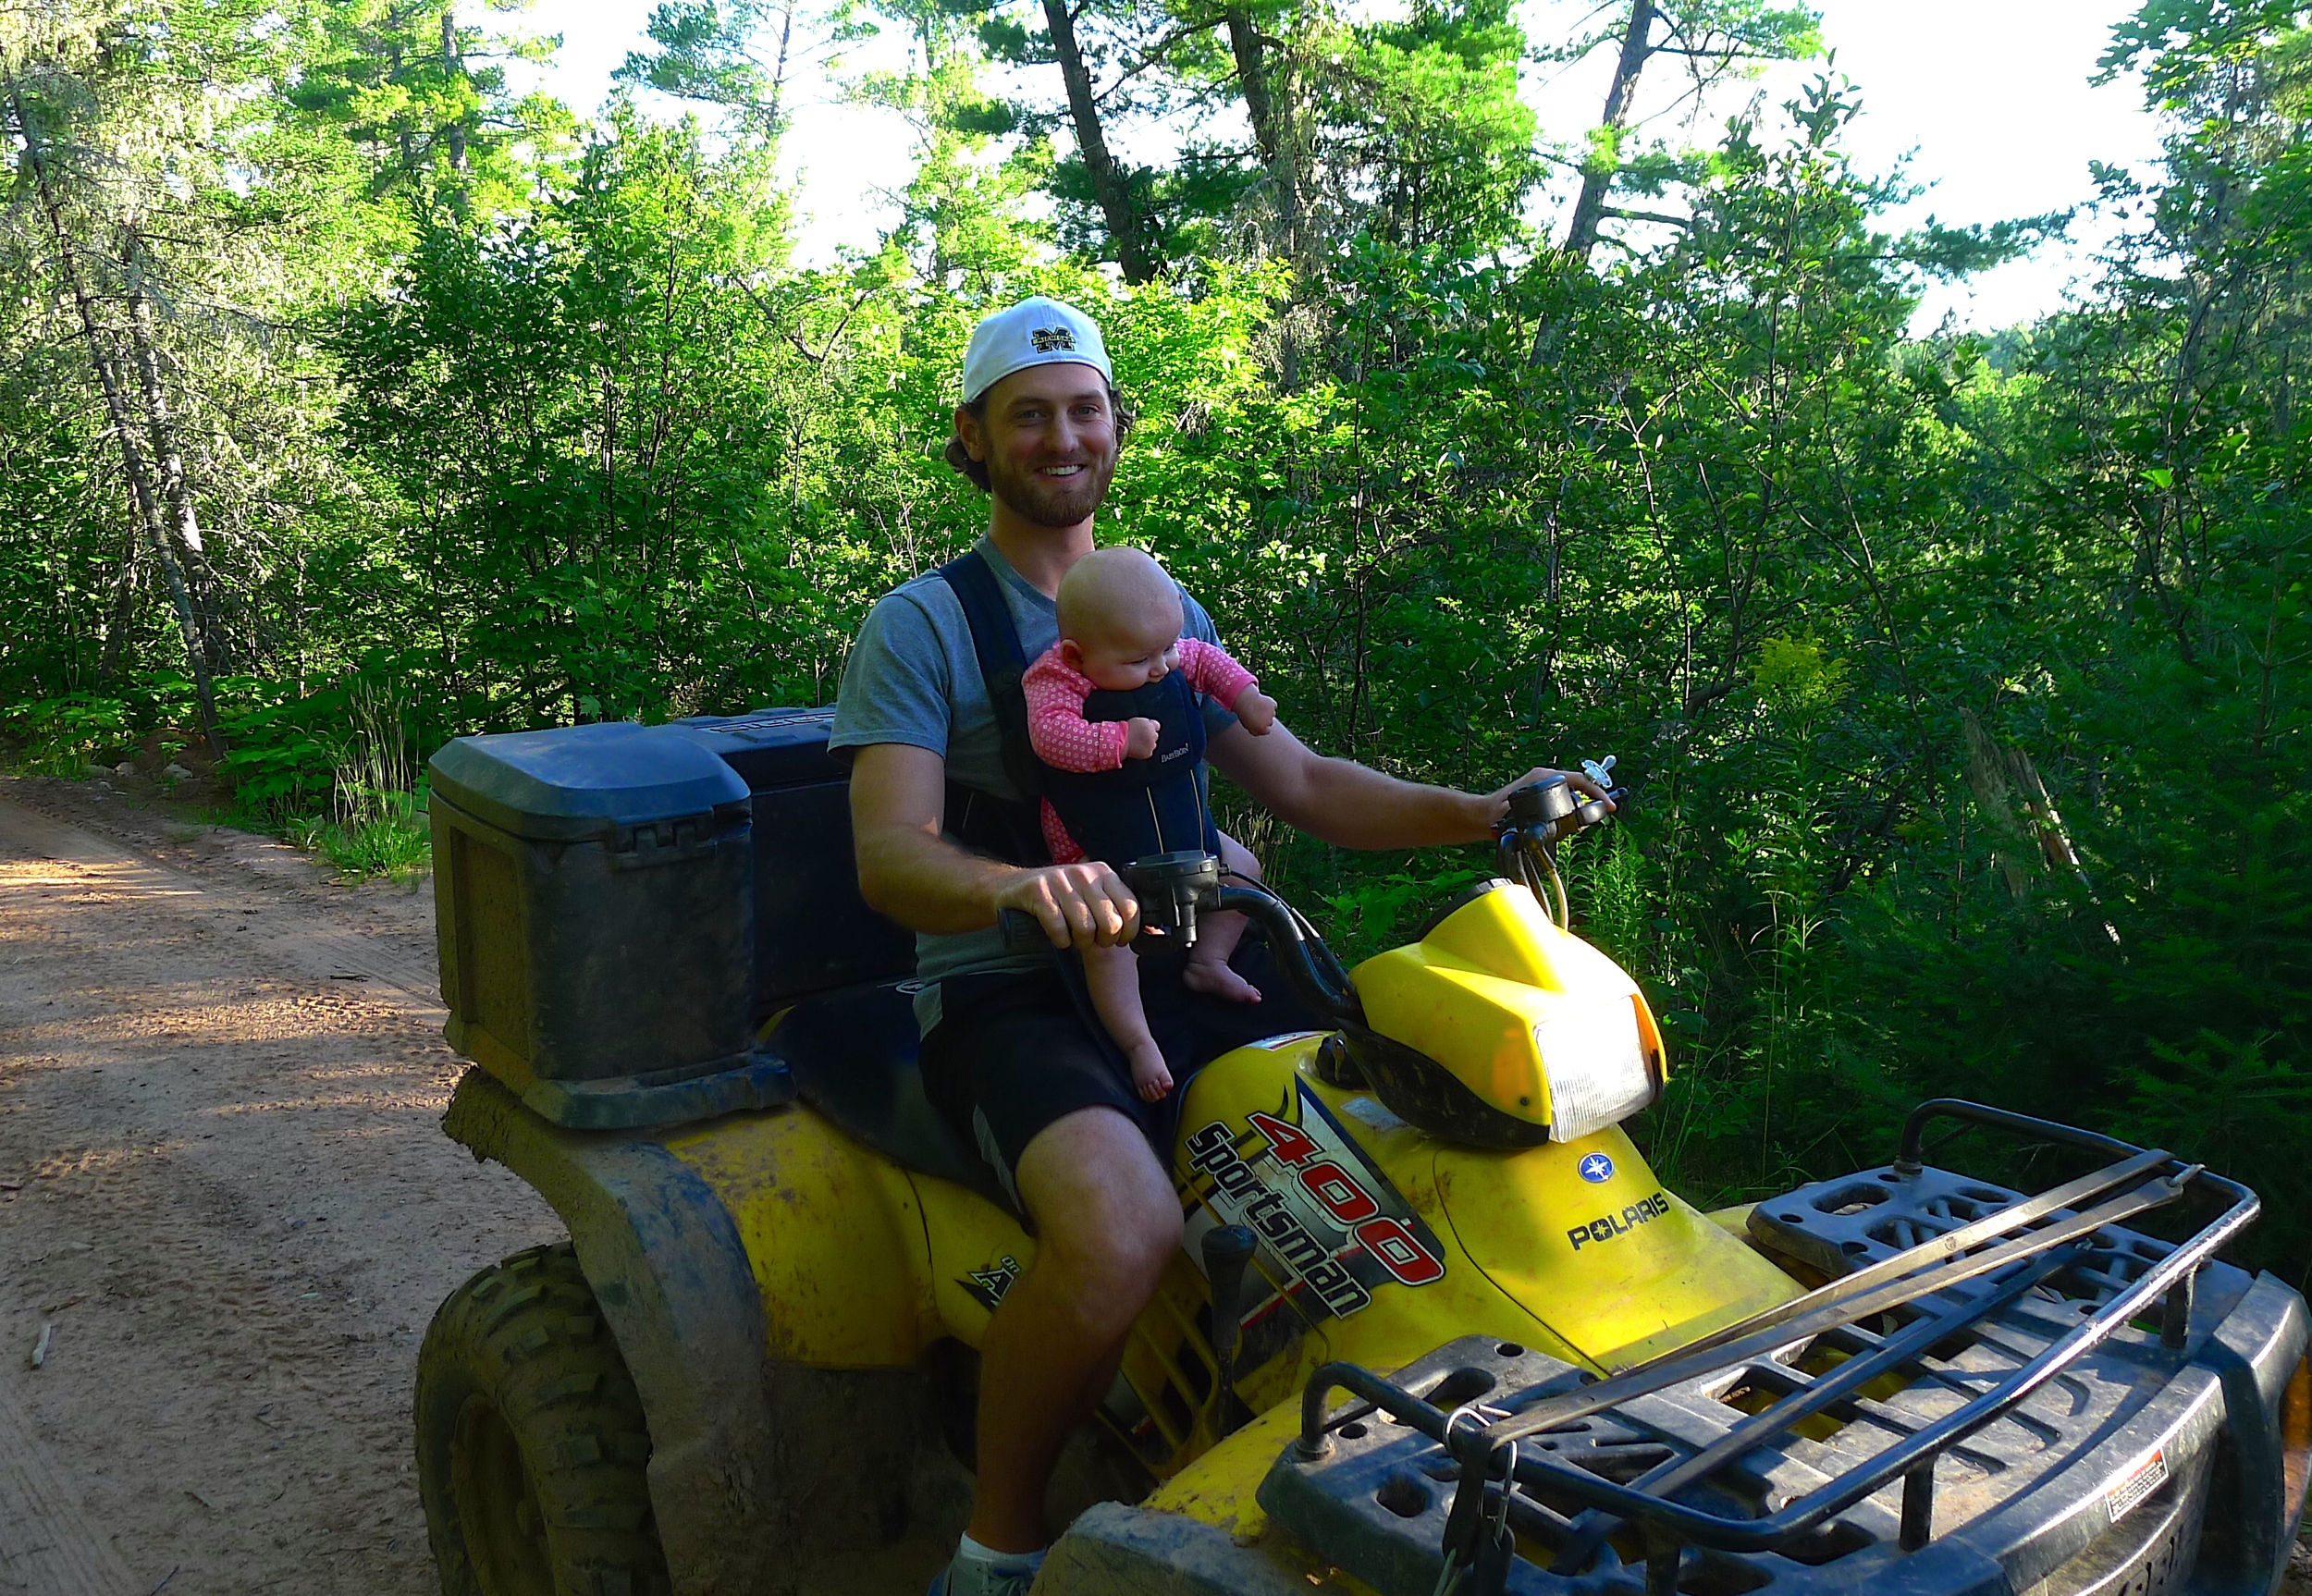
[1420,140]
[419,96]
[704,53]
[1376,912]
[1961,684]
[63,736]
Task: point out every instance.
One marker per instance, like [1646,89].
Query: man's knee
[1108,1278]
[1107,1218]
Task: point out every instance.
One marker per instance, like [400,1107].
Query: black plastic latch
[640,846]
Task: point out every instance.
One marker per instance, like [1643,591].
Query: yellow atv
[1435,1327]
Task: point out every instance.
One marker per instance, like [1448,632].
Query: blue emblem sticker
[1597,1169]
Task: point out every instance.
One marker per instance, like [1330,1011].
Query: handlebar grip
[1594,811]
[1023,933]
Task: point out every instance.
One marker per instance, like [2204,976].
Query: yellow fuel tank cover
[1538,1023]
[1618,1267]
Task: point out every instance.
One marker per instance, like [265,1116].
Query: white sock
[971,1551]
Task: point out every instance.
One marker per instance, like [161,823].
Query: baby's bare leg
[1113,975]
[1217,936]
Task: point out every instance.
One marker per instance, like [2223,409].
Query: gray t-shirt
[912,678]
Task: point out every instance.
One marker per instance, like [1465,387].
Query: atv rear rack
[1981,1298]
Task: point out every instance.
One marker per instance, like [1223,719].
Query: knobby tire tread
[526,1335]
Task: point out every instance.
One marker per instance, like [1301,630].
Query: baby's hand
[1140,736]
[1257,710]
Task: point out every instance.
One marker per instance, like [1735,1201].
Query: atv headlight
[1593,1062]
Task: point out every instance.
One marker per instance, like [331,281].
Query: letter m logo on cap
[1045,339]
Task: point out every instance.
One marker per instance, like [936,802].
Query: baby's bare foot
[1214,978]
[1150,1077]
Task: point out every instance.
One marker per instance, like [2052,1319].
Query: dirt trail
[224,1188]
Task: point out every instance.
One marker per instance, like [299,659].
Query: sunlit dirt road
[226,1204]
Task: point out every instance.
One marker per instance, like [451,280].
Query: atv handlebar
[1174,890]
[1551,810]
[1542,815]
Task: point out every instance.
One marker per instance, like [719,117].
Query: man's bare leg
[1109,1223]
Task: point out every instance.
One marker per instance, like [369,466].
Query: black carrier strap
[1154,805]
[1009,829]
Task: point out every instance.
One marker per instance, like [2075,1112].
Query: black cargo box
[813,932]
[595,915]
[619,908]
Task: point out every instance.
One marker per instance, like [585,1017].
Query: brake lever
[1023,933]
[1597,811]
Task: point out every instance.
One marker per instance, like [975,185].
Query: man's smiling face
[1049,442]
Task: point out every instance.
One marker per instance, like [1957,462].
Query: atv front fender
[667,1264]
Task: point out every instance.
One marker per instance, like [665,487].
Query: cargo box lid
[575,782]
[769,748]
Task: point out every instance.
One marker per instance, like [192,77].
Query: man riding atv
[1383,1296]
[931,716]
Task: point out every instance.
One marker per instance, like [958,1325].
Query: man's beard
[1052,501]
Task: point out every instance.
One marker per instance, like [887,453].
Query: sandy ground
[225,1199]
[224,1195]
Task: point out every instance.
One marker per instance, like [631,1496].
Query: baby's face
[1131,651]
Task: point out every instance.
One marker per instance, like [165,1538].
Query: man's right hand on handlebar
[1079,905]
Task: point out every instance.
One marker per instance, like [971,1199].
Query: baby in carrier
[1111,713]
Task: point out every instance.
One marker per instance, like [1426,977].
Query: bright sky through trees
[1993,96]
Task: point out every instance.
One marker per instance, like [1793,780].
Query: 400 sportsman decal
[1326,1215]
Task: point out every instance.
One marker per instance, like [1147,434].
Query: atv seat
[853,1052]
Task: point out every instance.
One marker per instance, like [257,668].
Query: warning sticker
[2147,1477]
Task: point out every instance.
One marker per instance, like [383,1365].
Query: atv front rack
[2001,1337]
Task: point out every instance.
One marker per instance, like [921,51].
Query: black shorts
[1015,1053]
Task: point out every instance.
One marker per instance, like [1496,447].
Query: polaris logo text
[1605,1227]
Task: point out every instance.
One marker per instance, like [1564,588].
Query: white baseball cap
[1035,332]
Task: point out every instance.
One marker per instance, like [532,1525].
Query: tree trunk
[403,134]
[453,68]
[1271,125]
[778,73]
[168,459]
[1108,184]
[117,411]
[1597,180]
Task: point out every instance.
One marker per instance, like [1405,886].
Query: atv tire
[532,1447]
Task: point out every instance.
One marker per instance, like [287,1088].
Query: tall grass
[376,823]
